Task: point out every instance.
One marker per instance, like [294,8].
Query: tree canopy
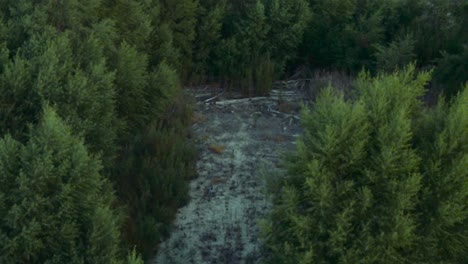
[376,179]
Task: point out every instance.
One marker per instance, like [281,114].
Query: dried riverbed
[238,139]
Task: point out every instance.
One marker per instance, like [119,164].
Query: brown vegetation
[218,149]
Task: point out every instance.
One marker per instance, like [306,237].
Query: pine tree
[45,65]
[109,70]
[132,21]
[396,55]
[443,134]
[257,39]
[131,85]
[84,97]
[244,47]
[72,15]
[15,81]
[288,21]
[451,70]
[208,35]
[181,18]
[56,207]
[324,37]
[156,163]
[375,179]
[163,91]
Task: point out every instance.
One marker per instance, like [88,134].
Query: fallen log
[212,98]
[240,101]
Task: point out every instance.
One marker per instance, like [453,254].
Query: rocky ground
[240,143]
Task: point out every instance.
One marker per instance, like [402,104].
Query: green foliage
[342,33]
[47,74]
[244,46]
[376,179]
[163,49]
[15,80]
[439,27]
[132,22]
[258,38]
[164,91]
[153,177]
[208,31]
[396,55]
[55,204]
[382,35]
[287,21]
[133,258]
[111,70]
[452,70]
[181,18]
[131,83]
[444,148]
[325,14]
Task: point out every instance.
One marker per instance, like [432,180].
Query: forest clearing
[240,142]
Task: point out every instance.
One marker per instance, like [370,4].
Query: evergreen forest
[97,152]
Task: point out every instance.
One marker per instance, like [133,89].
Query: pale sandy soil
[219,224]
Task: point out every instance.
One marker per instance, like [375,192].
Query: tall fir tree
[375,179]
[132,22]
[288,20]
[108,69]
[45,72]
[181,18]
[208,34]
[131,84]
[443,142]
[56,206]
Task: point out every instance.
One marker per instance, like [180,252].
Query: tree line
[95,150]
[247,44]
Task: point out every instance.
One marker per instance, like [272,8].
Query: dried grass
[217,149]
[217,180]
[198,118]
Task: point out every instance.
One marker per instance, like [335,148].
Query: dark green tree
[287,20]
[111,71]
[55,205]
[396,55]
[132,21]
[208,35]
[451,70]
[438,27]
[443,143]
[181,18]
[156,164]
[131,84]
[15,82]
[375,179]
[258,38]
[47,73]
[324,37]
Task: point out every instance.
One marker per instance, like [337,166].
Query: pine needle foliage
[55,204]
[111,70]
[376,179]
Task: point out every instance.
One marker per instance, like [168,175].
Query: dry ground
[240,143]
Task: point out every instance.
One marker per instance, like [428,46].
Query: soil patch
[237,139]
